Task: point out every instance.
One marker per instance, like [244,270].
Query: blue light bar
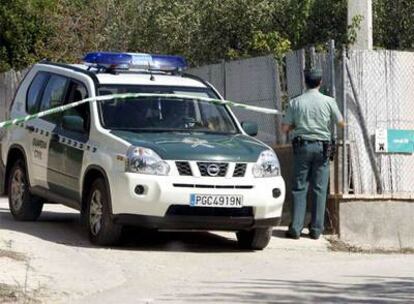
[167,63]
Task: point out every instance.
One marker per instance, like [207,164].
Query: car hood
[197,146]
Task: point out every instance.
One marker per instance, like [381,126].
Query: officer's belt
[310,141]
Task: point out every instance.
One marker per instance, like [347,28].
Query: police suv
[155,162]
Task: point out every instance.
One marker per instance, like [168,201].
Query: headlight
[146,161]
[267,165]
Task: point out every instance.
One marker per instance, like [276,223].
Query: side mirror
[250,128]
[73,123]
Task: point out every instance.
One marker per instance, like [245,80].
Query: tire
[23,205]
[102,230]
[255,239]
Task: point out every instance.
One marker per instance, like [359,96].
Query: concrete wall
[285,155]
[361,8]
[377,224]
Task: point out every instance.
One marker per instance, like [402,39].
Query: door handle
[30,128]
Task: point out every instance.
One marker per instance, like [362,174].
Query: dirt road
[51,261]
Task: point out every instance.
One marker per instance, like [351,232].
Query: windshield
[159,114]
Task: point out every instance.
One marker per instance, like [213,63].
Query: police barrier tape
[11,122]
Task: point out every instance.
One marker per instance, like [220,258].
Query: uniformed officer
[310,117]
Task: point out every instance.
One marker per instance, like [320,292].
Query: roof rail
[203,81]
[73,68]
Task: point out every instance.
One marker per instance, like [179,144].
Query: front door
[68,145]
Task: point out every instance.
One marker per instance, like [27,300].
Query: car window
[35,91]
[167,114]
[76,92]
[153,114]
[53,95]
[215,116]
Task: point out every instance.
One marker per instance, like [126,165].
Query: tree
[202,31]
[394,24]
[22,31]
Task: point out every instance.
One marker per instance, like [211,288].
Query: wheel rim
[95,213]
[18,188]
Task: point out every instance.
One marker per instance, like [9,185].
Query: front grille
[209,211]
[184,168]
[239,170]
[204,169]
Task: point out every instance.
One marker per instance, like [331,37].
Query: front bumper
[152,208]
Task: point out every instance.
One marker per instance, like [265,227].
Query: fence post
[345,129]
[332,65]
[312,55]
[223,67]
[302,54]
[277,99]
[336,183]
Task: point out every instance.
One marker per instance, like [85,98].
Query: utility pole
[364,34]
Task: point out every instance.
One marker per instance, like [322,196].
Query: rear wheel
[256,239]
[102,230]
[23,205]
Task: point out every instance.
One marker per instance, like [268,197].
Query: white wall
[364,36]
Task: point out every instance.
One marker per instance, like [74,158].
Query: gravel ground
[51,261]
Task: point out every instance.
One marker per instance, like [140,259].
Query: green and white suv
[156,162]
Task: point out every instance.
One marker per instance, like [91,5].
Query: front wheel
[102,230]
[255,239]
[23,205]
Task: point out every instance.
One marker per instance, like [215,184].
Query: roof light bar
[142,61]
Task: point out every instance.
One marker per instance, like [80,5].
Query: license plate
[216,200]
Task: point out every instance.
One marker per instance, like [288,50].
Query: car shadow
[279,233]
[365,290]
[65,228]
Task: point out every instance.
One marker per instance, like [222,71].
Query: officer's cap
[313,74]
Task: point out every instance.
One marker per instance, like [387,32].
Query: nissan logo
[213,170]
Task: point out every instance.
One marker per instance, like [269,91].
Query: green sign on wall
[394,141]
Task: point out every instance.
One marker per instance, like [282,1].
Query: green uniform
[311,114]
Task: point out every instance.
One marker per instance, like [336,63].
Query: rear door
[46,91]
[53,96]
[37,143]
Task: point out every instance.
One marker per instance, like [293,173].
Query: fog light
[139,189]
[276,192]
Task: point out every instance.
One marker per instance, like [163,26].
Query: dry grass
[8,294]
[15,294]
[338,245]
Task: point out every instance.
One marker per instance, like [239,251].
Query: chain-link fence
[374,90]
[382,98]
[252,81]
[298,61]
[295,64]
